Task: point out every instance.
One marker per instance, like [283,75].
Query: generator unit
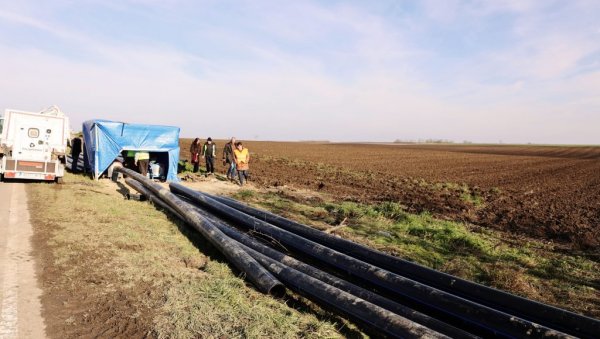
[33,145]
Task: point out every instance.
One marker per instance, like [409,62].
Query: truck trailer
[33,145]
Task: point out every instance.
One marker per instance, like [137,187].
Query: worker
[209,152]
[75,152]
[86,168]
[141,160]
[195,154]
[129,160]
[228,158]
[242,158]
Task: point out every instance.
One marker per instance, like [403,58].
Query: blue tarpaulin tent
[104,141]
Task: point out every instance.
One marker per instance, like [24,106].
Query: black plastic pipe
[152,197]
[390,324]
[547,315]
[258,275]
[487,319]
[251,243]
[357,309]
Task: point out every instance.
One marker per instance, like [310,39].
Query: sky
[511,71]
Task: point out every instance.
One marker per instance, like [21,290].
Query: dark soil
[548,192]
[74,305]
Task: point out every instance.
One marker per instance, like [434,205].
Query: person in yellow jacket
[141,159]
[242,158]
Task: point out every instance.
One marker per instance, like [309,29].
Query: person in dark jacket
[75,152]
[209,152]
[229,159]
[86,168]
[195,150]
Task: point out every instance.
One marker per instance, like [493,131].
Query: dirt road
[20,308]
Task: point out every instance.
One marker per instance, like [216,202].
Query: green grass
[178,284]
[526,267]
[472,199]
[245,193]
[186,166]
[463,190]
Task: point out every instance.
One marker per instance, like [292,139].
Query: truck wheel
[59,180]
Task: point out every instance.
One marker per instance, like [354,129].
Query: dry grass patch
[121,268]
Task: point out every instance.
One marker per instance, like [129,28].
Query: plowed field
[548,192]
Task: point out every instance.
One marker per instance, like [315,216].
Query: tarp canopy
[104,141]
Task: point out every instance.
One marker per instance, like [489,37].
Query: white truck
[33,145]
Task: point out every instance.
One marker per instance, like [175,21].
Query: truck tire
[59,180]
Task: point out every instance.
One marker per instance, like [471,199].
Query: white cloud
[287,95]
[282,105]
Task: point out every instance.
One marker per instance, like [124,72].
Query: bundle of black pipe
[457,309]
[255,245]
[379,319]
[136,185]
[256,273]
[546,315]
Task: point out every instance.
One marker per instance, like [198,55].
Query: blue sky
[484,71]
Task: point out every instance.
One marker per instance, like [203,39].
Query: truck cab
[33,145]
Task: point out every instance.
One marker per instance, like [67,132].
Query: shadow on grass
[124,190]
[289,299]
[301,305]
